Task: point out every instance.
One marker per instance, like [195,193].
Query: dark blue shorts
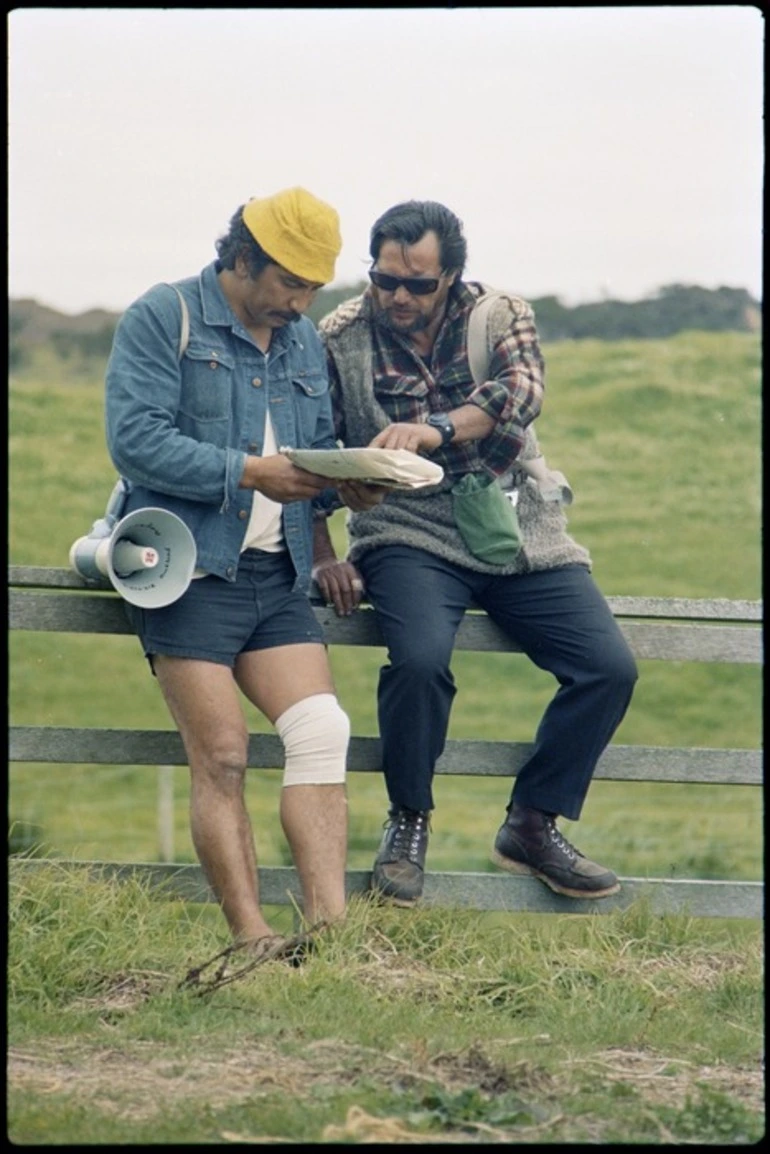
[216,620]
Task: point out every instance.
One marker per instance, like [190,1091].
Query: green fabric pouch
[486,519]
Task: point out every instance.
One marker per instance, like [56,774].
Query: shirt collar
[462,296]
[217,311]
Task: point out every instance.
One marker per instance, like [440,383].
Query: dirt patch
[668,1081]
[136,1081]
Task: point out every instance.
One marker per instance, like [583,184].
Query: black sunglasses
[419,286]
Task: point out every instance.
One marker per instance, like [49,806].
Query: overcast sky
[589,151]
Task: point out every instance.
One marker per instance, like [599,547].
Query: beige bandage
[315,733]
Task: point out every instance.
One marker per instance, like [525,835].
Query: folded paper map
[396,468]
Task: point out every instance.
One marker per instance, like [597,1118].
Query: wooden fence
[663,629]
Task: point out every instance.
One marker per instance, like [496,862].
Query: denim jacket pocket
[309,395]
[207,382]
[205,402]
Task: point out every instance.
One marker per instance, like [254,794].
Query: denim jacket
[179,431]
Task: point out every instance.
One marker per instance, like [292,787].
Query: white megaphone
[148,556]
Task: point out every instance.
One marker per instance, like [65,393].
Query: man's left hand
[359,496]
[340,584]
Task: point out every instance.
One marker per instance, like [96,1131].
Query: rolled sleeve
[513,394]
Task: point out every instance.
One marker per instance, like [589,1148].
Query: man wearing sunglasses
[400,378]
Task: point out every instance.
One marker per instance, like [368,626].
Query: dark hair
[408,222]
[238,242]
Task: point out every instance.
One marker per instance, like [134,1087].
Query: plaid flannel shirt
[409,389]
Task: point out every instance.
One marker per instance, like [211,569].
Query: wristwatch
[444,425]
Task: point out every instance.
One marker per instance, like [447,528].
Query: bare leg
[314,817]
[203,700]
[315,821]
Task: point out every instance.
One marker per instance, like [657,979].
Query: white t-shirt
[265,527]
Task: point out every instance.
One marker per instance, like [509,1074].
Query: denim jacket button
[242,514]
[256,382]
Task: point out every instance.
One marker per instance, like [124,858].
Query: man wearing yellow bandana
[207,377]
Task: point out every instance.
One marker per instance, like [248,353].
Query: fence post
[166,812]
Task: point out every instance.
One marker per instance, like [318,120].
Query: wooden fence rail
[667,629]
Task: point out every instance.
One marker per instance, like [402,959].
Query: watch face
[442,422]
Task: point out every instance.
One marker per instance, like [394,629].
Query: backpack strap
[184,334]
[478,338]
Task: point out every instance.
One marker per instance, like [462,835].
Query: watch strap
[443,423]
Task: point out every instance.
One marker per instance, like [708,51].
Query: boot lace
[408,834]
[560,841]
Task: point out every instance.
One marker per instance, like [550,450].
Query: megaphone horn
[149,557]
[128,558]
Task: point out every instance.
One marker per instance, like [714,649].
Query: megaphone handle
[116,502]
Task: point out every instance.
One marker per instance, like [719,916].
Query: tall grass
[403,1026]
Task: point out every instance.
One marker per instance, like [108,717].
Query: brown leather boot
[528,842]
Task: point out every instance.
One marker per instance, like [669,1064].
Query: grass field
[416,1026]
[407,1026]
[661,441]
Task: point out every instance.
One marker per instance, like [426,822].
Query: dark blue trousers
[563,624]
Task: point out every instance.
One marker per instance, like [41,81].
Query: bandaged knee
[315,735]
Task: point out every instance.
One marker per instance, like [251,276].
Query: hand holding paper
[394,468]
